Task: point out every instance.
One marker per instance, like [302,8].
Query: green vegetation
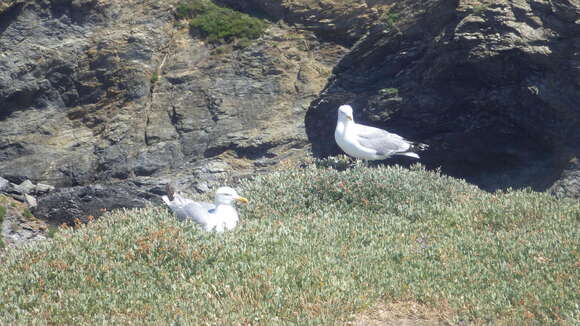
[479,9]
[26,213]
[390,92]
[315,246]
[51,231]
[390,18]
[154,77]
[218,24]
[188,9]
[2,214]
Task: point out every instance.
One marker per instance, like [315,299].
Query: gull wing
[382,141]
[185,208]
[177,206]
[199,212]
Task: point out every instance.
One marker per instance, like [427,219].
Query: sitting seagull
[219,216]
[369,143]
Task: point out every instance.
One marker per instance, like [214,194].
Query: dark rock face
[80,109]
[85,202]
[492,88]
[41,80]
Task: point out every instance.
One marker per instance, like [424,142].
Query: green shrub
[51,231]
[26,213]
[154,77]
[219,24]
[390,18]
[314,246]
[243,43]
[478,10]
[391,92]
[2,214]
[188,9]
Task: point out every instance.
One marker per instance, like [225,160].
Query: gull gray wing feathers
[199,212]
[382,141]
[177,204]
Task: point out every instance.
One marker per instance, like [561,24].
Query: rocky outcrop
[108,100]
[340,21]
[18,225]
[24,192]
[492,87]
[568,185]
[108,97]
[86,202]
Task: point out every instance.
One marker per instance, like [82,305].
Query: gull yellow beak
[349,117]
[242,200]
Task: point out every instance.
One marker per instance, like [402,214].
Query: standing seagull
[369,143]
[219,216]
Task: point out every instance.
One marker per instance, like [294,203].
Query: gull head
[345,113]
[227,195]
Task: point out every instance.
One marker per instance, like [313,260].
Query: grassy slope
[315,246]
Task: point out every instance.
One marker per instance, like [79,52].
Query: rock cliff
[492,86]
[109,100]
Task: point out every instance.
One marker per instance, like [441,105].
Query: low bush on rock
[2,214]
[218,24]
[315,246]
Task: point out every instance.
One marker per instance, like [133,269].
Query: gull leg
[359,162]
[351,161]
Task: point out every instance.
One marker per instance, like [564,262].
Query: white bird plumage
[369,143]
[219,216]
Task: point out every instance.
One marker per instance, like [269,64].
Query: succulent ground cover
[317,245]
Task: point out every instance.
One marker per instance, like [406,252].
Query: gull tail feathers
[418,147]
[410,154]
[415,147]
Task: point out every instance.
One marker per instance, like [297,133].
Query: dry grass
[403,313]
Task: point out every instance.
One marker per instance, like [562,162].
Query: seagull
[369,143]
[219,216]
